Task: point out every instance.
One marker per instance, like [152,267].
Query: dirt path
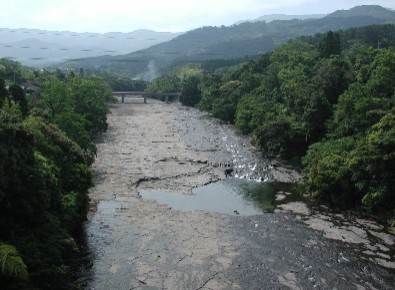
[140,244]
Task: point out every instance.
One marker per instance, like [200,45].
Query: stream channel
[182,201]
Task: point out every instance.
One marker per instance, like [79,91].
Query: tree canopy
[46,149]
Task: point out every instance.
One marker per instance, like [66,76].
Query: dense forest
[46,149]
[324,102]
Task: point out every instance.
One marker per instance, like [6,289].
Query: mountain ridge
[364,10]
[131,53]
[272,17]
[236,41]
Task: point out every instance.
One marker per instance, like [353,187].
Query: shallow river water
[165,216]
[230,196]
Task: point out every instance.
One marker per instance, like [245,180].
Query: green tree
[90,96]
[373,165]
[43,183]
[11,70]
[327,165]
[190,91]
[78,106]
[3,92]
[353,171]
[58,96]
[225,106]
[333,76]
[366,101]
[118,83]
[70,167]
[19,96]
[210,85]
[74,125]
[13,270]
[249,113]
[44,176]
[330,45]
[165,84]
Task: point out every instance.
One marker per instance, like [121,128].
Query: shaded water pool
[229,196]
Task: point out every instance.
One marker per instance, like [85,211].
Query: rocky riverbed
[138,243]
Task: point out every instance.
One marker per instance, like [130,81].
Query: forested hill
[325,102]
[237,41]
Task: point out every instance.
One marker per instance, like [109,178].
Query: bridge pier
[123,99]
[145,99]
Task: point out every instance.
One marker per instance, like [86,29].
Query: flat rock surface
[140,244]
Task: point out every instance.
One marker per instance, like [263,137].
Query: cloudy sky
[159,15]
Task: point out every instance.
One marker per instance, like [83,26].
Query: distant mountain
[273,17]
[236,41]
[40,48]
[375,11]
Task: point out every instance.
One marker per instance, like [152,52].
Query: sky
[102,16]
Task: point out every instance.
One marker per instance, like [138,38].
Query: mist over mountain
[40,48]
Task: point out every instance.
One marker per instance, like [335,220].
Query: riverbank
[138,243]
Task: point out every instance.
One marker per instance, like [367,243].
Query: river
[182,201]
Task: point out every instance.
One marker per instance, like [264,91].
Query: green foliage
[190,91]
[16,169]
[333,110]
[327,165]
[362,172]
[3,92]
[210,84]
[19,96]
[249,113]
[123,84]
[189,70]
[10,70]
[58,96]
[165,84]
[90,96]
[73,173]
[44,177]
[11,263]
[74,125]
[28,193]
[366,101]
[332,76]
[330,45]
[274,136]
[224,107]
[78,107]
[351,171]
[375,159]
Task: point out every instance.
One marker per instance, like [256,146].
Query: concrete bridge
[145,95]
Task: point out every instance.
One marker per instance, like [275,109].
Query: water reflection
[230,196]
